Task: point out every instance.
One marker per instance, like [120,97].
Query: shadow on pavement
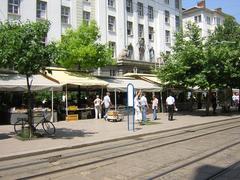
[64,133]
[202,113]
[215,172]
[4,136]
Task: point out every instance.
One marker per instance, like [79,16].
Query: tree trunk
[239,100]
[30,113]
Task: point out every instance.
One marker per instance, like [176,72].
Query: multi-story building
[137,30]
[205,18]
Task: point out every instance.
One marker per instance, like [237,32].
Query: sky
[231,7]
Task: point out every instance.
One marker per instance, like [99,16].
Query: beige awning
[74,78]
[18,82]
[147,77]
[120,84]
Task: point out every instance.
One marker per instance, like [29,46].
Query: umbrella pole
[66,101]
[52,107]
[115,92]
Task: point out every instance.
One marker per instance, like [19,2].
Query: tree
[191,64]
[226,42]
[23,48]
[81,48]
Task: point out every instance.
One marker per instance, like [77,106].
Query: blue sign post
[130,98]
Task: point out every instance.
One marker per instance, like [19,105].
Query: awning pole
[115,99]
[66,101]
[52,107]
[161,101]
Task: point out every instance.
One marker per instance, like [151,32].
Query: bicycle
[47,126]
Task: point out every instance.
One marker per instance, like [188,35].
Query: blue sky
[231,7]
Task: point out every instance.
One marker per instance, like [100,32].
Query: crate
[72,117]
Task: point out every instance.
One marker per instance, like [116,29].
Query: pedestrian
[154,107]
[214,103]
[107,103]
[97,107]
[137,106]
[144,107]
[170,101]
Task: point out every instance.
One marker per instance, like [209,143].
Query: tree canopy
[205,63]
[23,47]
[81,48]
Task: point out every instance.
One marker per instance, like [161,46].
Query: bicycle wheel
[19,125]
[48,127]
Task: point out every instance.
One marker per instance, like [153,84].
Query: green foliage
[80,48]
[22,47]
[204,63]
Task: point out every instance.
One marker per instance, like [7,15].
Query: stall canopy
[120,84]
[74,78]
[152,78]
[17,82]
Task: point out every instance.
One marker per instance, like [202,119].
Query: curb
[40,152]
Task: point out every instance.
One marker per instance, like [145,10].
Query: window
[140,9]
[111,3]
[177,4]
[130,52]
[151,54]
[129,28]
[198,19]
[177,20]
[167,37]
[208,20]
[150,12]
[112,72]
[65,15]
[42,9]
[140,31]
[112,45]
[13,6]
[111,23]
[167,17]
[218,21]
[129,6]
[86,16]
[151,33]
[166,1]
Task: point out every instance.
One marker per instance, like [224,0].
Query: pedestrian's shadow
[65,133]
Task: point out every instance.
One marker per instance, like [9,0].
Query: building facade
[137,30]
[205,18]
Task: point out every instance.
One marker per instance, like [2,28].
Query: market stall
[78,79]
[13,82]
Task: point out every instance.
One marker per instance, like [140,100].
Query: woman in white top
[154,107]
[137,107]
[97,106]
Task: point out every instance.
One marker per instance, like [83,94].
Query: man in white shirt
[107,103]
[144,106]
[170,101]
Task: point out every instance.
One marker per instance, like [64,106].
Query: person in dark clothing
[214,103]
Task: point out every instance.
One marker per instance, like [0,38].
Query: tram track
[138,141]
[128,151]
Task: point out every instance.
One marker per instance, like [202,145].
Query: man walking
[144,106]
[170,101]
[107,103]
